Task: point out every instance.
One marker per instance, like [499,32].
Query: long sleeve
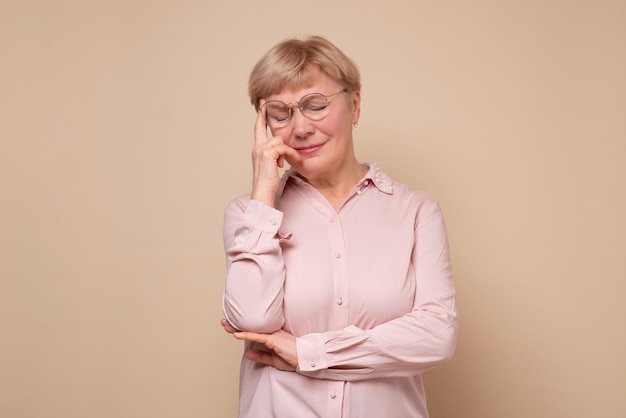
[253,294]
[365,288]
[406,346]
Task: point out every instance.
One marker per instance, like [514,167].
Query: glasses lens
[314,106]
[276,112]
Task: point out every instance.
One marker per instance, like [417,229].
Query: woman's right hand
[268,154]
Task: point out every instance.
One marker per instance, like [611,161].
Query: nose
[302,126]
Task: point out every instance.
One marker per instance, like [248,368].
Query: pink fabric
[367,290]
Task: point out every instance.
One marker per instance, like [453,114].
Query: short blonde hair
[295,62]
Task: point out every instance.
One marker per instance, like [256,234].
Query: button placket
[335,399]
[340,271]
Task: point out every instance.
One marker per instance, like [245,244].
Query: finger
[228,327]
[275,149]
[251,336]
[275,141]
[269,359]
[282,152]
[291,154]
[260,126]
[259,356]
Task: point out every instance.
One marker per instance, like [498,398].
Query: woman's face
[325,145]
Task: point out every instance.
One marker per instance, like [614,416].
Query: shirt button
[340,301]
[337,255]
[359,191]
[333,395]
[313,364]
[273,222]
[332,220]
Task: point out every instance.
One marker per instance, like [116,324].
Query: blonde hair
[296,62]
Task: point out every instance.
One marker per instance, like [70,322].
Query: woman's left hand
[283,354]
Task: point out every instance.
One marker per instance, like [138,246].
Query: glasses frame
[290,108]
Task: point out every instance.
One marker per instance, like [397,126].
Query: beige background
[125,129]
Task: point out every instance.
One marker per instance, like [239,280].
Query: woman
[339,279]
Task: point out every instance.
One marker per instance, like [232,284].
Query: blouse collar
[374,174]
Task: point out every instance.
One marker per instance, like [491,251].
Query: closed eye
[317,108]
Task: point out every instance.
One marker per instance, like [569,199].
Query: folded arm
[253,294]
[408,345]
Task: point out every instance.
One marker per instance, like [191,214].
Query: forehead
[293,93]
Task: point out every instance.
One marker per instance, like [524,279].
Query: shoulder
[416,204]
[395,188]
[419,197]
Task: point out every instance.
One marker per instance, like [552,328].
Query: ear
[356,107]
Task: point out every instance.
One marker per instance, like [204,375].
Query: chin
[310,167]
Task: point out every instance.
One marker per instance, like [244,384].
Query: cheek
[331,125]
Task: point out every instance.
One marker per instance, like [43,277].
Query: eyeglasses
[314,106]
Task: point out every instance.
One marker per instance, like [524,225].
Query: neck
[336,187]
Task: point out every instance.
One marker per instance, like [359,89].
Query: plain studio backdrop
[125,129]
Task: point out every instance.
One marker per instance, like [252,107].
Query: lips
[310,149]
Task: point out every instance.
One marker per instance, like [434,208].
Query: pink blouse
[367,290]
